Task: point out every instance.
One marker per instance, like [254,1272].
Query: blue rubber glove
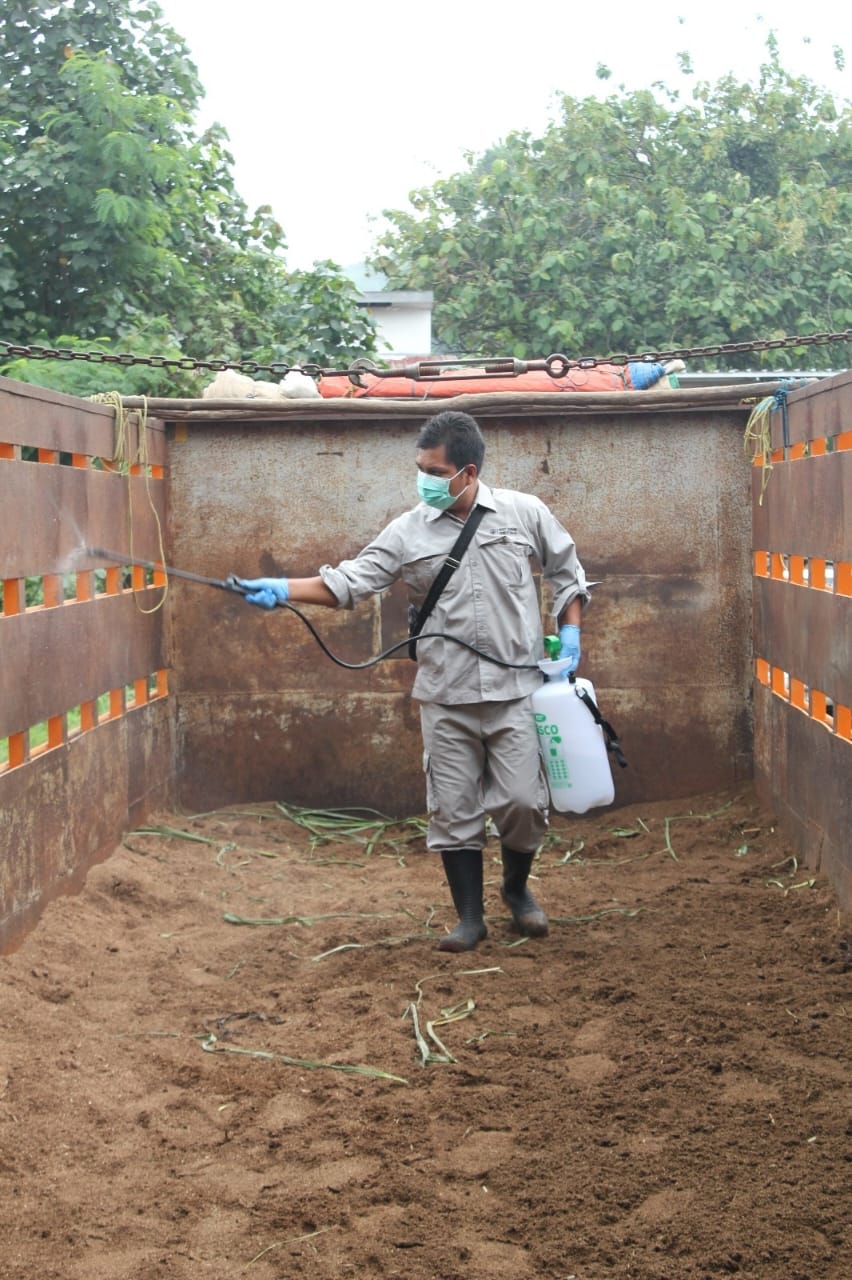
[569,640]
[265,592]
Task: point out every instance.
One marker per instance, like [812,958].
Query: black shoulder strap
[612,742]
[416,618]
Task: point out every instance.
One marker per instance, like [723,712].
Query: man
[480,743]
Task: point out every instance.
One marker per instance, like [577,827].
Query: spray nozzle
[552,645]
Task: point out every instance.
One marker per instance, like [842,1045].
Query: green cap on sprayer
[552,645]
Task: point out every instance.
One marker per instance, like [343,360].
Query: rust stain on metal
[64,811]
[802,774]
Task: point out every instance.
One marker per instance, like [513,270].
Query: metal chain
[556,365]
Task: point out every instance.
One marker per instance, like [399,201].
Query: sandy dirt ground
[240,1055]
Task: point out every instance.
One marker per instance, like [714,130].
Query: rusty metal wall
[68,809]
[658,502]
[65,803]
[802,532]
[656,491]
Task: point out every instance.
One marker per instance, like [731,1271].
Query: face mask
[435,490]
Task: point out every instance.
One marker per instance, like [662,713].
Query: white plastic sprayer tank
[572,744]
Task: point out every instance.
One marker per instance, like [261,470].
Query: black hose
[403,644]
[233,583]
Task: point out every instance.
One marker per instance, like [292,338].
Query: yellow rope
[124,459]
[758,432]
[758,435]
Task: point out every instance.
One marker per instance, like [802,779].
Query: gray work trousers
[483,758]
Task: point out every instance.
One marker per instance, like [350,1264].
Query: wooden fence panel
[817,413]
[85,725]
[56,659]
[807,507]
[51,512]
[806,633]
[802,551]
[45,419]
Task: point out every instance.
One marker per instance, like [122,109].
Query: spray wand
[233,584]
[224,584]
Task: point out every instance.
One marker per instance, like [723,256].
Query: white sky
[336,113]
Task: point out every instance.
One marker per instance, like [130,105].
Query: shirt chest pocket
[418,575]
[507,559]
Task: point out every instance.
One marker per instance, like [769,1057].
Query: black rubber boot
[527,914]
[463,869]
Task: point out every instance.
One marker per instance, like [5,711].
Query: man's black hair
[459,434]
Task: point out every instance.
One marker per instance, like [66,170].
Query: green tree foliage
[640,222]
[117,219]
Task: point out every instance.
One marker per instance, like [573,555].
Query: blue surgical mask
[435,490]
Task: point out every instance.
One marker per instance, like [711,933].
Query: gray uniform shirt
[490,601]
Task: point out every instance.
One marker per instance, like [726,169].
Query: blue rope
[779,401]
